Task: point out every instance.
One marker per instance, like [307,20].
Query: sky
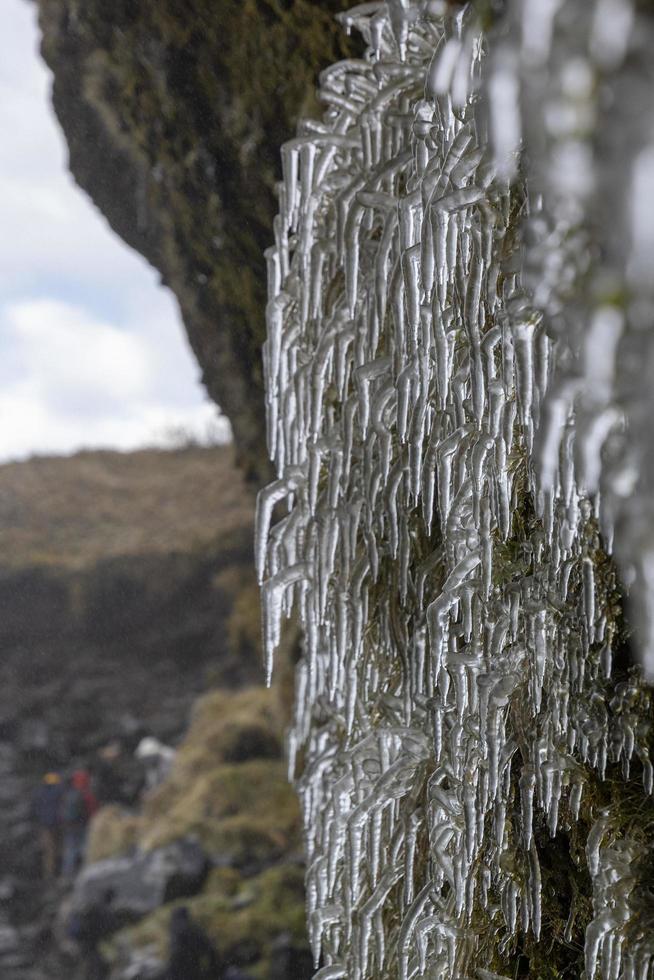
[92,350]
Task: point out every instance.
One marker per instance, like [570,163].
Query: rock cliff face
[174,112]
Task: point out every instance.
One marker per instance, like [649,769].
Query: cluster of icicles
[443,406]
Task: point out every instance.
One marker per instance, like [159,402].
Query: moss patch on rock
[243,917]
[228,790]
[113,831]
[223,725]
[234,811]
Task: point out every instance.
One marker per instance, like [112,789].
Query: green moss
[220,721]
[229,808]
[247,842]
[222,881]
[246,817]
[243,917]
[113,831]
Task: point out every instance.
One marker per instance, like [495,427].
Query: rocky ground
[125,594]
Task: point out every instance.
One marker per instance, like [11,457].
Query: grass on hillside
[73,511]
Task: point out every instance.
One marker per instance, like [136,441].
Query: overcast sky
[92,352]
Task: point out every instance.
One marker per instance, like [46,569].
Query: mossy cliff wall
[173,112]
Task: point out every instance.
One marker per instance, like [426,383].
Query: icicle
[458,395]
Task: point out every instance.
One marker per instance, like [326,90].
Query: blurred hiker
[46,811]
[106,778]
[192,954]
[88,929]
[157,760]
[79,805]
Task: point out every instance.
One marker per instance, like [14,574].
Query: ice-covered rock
[457,368]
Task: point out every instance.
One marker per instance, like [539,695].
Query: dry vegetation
[75,510]
[228,788]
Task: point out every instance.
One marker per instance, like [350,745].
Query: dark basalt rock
[144,881]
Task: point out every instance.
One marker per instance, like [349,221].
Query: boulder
[9,939]
[142,882]
[140,965]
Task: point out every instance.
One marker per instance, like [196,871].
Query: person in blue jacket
[46,811]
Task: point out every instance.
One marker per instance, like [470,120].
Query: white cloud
[75,381]
[92,352]
[75,360]
[29,426]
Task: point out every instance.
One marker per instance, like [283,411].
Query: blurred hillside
[74,511]
[126,572]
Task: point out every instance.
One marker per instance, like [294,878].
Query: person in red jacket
[79,805]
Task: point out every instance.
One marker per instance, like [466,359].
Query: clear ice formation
[458,364]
